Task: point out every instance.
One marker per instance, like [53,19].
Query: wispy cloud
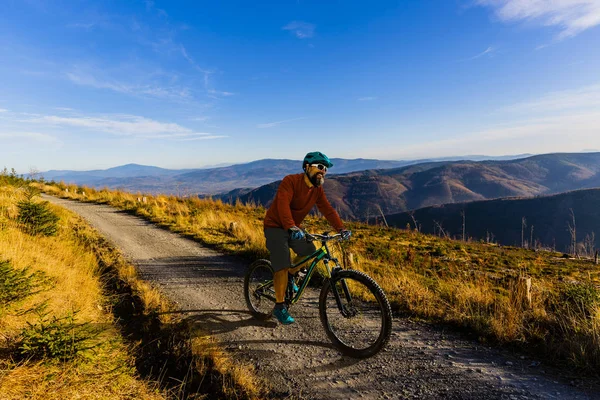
[200,119]
[150,6]
[571,16]
[368,98]
[82,25]
[28,137]
[581,99]
[535,135]
[302,30]
[2,110]
[147,90]
[219,93]
[558,121]
[185,55]
[126,125]
[487,52]
[272,124]
[212,93]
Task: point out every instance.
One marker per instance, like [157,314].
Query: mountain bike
[353,309]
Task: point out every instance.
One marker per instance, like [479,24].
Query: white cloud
[2,110]
[562,121]
[489,52]
[569,133]
[170,93]
[28,137]
[200,119]
[572,16]
[368,98]
[272,124]
[580,99]
[127,125]
[220,93]
[302,30]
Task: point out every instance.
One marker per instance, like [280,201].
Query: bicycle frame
[321,254]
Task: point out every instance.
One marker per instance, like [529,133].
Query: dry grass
[472,285]
[104,372]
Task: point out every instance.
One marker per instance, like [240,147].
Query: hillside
[546,220]
[359,195]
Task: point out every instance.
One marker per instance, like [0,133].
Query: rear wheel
[258,289]
[355,314]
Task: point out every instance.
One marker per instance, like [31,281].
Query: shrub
[57,338]
[18,284]
[584,296]
[37,218]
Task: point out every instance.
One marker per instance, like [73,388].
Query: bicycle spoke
[359,320]
[259,291]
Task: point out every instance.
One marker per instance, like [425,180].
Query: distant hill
[546,219]
[135,177]
[358,195]
[123,171]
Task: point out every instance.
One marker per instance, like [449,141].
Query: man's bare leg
[280,281]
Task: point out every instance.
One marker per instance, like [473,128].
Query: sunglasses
[321,167]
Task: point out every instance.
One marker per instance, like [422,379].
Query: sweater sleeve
[285,194]
[329,212]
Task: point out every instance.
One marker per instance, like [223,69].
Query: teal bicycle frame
[321,254]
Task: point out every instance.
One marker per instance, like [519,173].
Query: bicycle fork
[346,309]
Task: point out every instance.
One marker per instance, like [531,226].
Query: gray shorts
[279,245]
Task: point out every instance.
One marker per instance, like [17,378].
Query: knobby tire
[259,271]
[367,330]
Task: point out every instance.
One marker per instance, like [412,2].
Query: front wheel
[258,289]
[355,314]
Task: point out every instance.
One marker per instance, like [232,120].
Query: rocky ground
[422,361]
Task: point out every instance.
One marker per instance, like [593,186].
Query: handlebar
[325,237]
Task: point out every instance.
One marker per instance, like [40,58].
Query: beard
[317,179]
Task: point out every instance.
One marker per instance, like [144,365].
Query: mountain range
[494,195]
[359,195]
[210,181]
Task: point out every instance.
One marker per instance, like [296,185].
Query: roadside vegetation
[58,339]
[76,322]
[543,302]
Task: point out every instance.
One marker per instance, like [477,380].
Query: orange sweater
[294,200]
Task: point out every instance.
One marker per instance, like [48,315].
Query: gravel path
[420,362]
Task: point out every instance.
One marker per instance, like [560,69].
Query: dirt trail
[421,361]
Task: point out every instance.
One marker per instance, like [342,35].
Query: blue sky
[96,84]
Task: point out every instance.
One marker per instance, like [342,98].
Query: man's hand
[296,233]
[345,234]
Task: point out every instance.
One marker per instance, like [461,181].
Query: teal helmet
[316,157]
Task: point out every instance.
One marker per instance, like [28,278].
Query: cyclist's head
[316,157]
[315,166]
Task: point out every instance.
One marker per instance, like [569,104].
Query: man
[295,197]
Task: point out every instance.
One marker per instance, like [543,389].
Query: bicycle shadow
[218,322]
[223,321]
[265,354]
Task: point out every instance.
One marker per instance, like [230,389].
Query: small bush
[56,338]
[37,219]
[585,296]
[382,252]
[18,284]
